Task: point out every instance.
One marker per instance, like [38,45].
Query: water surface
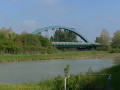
[36,71]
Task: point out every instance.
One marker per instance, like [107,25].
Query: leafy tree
[64,36]
[24,32]
[104,38]
[97,39]
[30,39]
[8,46]
[51,38]
[18,40]
[45,42]
[10,42]
[58,36]
[116,38]
[10,30]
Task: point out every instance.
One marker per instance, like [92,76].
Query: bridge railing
[74,43]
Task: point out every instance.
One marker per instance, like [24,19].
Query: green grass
[92,82]
[115,72]
[64,55]
[23,87]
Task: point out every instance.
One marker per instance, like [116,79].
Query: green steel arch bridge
[68,44]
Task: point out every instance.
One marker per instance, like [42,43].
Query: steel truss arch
[61,27]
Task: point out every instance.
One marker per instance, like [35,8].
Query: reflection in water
[36,71]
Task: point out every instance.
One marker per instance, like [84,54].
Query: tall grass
[24,87]
[95,82]
[115,72]
[65,55]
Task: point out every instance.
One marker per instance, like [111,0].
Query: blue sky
[89,17]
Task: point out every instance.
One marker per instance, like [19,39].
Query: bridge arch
[61,27]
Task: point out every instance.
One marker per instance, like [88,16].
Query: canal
[36,71]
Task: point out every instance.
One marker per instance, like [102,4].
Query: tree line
[112,44]
[64,36]
[26,43]
[23,43]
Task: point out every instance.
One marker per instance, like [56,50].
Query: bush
[115,50]
[102,48]
[59,83]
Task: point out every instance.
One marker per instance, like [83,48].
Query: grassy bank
[115,72]
[75,82]
[78,82]
[24,87]
[63,55]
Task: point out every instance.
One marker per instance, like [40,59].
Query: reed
[62,55]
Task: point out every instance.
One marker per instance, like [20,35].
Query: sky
[88,17]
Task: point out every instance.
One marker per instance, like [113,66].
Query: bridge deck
[74,44]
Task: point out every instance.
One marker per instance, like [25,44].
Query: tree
[58,36]
[97,39]
[10,30]
[64,36]
[51,38]
[10,42]
[104,38]
[116,38]
[24,32]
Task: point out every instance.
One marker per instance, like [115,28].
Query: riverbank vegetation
[24,43]
[86,82]
[60,55]
[25,46]
[74,82]
[111,44]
